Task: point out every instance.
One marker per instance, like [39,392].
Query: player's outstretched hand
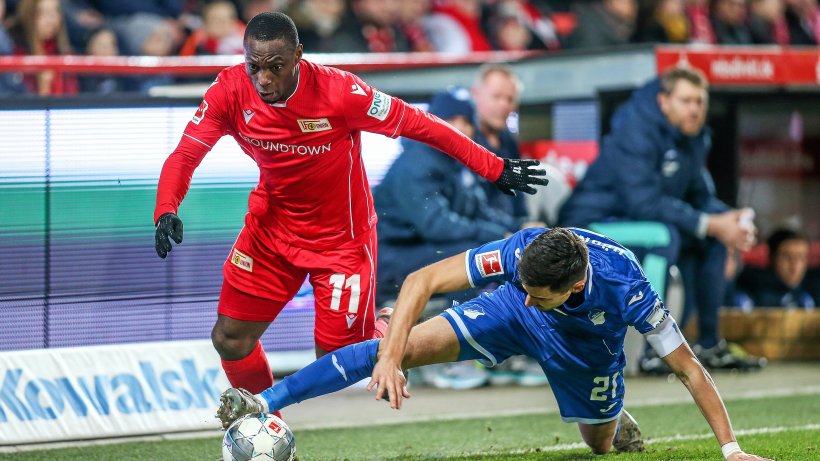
[741,456]
[520,175]
[388,377]
[169,226]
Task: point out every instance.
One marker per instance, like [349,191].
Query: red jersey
[312,192]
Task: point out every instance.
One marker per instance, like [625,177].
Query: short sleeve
[642,307]
[497,261]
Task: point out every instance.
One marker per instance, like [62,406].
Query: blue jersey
[590,334]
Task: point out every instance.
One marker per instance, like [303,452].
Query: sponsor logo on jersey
[200,112]
[287,148]
[314,125]
[635,298]
[474,312]
[380,106]
[242,260]
[489,263]
[597,317]
[248,115]
[658,314]
[356,89]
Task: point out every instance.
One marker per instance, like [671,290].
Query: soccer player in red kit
[311,215]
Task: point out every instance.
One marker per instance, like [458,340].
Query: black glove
[168,225]
[520,175]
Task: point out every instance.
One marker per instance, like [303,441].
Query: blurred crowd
[208,27]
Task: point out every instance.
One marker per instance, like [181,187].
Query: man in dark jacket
[652,167]
[786,282]
[432,207]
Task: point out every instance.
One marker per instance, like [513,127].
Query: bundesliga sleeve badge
[489,263]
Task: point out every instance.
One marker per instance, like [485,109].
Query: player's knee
[231,347]
[601,448]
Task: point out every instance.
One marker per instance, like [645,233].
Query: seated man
[784,283]
[567,300]
[652,167]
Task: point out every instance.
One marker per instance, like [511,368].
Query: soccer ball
[258,437]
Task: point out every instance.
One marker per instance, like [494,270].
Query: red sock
[252,372]
[383,316]
[380,329]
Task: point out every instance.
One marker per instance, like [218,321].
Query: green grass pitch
[783,428]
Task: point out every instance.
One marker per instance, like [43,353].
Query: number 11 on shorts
[340,282]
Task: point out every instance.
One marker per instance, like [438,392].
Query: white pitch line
[673,438]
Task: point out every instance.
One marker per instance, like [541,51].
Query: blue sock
[336,370]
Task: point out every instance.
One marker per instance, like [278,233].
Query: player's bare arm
[444,276]
[697,380]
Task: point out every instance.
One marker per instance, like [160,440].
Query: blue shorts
[491,332]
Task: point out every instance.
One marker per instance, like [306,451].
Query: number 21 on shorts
[599,393]
[342,282]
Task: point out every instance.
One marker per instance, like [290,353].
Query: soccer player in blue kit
[567,298]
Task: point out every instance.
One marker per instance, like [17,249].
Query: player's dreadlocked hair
[272,26]
[556,259]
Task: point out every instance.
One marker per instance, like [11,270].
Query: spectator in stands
[518,25]
[507,31]
[767,22]
[101,42]
[496,90]
[604,23]
[39,29]
[10,83]
[700,24]
[147,35]
[325,26]
[455,27]
[411,17]
[251,8]
[81,20]
[221,32]
[662,21]
[378,26]
[803,19]
[784,282]
[729,22]
[652,167]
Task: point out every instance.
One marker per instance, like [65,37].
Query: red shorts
[264,276]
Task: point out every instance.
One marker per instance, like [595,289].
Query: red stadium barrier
[210,65]
[745,65]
